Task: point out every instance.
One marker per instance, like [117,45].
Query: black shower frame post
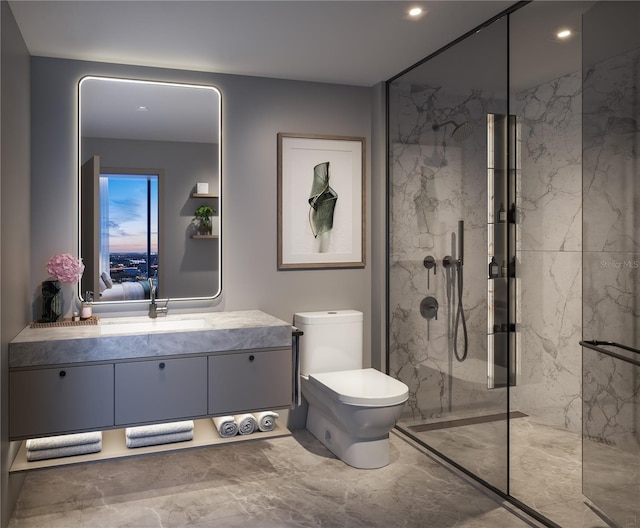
[506,496]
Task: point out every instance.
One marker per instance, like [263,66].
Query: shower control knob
[447,261]
[430,263]
[429,308]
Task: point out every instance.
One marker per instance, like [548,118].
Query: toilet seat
[365,387]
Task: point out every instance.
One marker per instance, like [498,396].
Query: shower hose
[460,318]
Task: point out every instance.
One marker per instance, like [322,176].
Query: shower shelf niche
[501,224]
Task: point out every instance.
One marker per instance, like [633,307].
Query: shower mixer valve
[429,310]
[429,263]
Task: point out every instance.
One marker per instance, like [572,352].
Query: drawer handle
[63,373]
[252,357]
[162,365]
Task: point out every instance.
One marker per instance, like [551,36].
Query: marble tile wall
[431,189]
[435,182]
[612,248]
[548,248]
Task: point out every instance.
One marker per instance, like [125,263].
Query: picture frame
[321,201]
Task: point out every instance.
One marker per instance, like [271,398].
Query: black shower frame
[506,496]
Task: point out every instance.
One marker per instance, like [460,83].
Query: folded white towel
[55,442]
[159,429]
[226,426]
[266,420]
[159,439]
[246,423]
[59,452]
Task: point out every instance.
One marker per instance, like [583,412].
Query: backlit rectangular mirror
[149,184]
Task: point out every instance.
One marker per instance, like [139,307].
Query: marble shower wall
[548,248]
[612,248]
[435,182]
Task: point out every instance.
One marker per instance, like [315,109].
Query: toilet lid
[362,387]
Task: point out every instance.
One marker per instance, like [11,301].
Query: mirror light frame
[79,180]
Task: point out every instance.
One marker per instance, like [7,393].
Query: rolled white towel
[170,438]
[159,429]
[59,452]
[226,426]
[246,423]
[266,420]
[68,440]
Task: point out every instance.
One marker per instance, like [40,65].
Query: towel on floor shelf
[266,420]
[170,438]
[159,429]
[246,423]
[59,452]
[226,426]
[68,440]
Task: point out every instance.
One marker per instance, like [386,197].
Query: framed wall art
[321,206]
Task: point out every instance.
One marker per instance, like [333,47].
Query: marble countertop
[119,338]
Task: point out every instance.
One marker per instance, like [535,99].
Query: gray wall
[254,110]
[14,222]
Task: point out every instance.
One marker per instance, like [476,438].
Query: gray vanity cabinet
[160,390]
[250,381]
[47,401]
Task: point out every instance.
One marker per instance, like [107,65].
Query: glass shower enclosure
[512,242]
[450,262]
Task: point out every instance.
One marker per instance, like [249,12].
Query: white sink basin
[152,325]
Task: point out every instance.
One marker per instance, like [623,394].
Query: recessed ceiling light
[142,108]
[415,11]
[564,33]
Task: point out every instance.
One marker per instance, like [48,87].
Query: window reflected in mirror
[128,218]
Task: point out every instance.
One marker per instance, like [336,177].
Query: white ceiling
[356,42]
[348,42]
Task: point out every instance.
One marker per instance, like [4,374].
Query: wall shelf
[205,236]
[114,446]
[196,195]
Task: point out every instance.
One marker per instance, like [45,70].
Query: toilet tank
[332,341]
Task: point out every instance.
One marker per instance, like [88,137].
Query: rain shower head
[461,132]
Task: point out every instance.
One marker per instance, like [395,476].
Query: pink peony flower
[65,268]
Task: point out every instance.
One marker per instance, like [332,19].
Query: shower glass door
[450,247]
[611,261]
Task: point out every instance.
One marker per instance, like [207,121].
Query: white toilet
[351,409]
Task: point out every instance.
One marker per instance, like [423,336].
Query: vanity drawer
[250,381]
[60,400]
[160,390]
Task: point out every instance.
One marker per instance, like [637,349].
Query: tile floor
[292,481]
[545,467]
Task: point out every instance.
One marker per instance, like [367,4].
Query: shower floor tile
[545,469]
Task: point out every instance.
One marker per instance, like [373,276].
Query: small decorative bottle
[494,268]
[502,214]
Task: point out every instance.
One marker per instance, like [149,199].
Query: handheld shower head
[461,132]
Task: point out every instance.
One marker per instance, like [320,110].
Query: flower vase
[51,301]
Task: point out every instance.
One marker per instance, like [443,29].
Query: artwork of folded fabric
[226,426]
[159,429]
[266,420]
[170,438]
[55,442]
[59,452]
[246,423]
